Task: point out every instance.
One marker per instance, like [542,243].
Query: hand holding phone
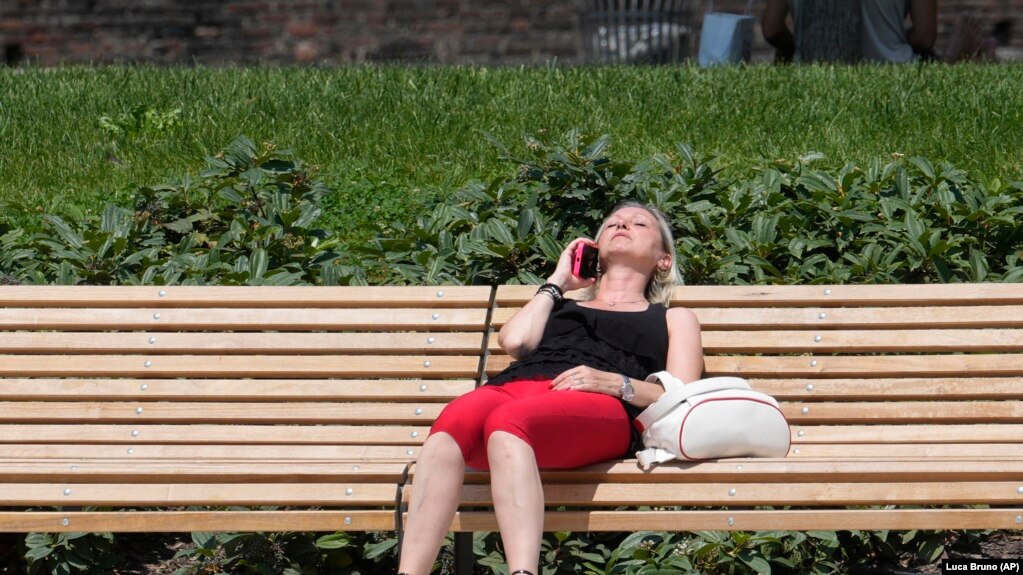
[584,261]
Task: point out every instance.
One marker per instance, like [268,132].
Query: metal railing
[637,31]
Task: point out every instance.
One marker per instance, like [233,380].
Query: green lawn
[406,134]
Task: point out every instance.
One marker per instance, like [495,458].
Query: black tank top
[631,343]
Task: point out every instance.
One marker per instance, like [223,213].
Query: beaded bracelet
[555,288]
[555,293]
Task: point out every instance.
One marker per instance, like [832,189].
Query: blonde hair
[661,286]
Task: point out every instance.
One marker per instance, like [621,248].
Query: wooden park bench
[161,409]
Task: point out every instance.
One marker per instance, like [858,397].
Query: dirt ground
[154,554]
[999,545]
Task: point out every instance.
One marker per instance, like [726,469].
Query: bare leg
[437,487]
[518,499]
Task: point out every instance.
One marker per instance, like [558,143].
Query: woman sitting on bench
[570,398]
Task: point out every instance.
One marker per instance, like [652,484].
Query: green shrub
[904,221]
[514,228]
[268,553]
[722,552]
[66,553]
[249,219]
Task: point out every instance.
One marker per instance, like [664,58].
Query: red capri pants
[565,428]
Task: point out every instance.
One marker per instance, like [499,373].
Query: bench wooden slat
[784,470]
[241,319]
[249,390]
[864,341]
[921,295]
[965,452]
[904,412]
[175,494]
[892,389]
[761,520]
[188,521]
[817,295]
[366,452]
[739,471]
[220,366]
[853,341]
[888,366]
[216,434]
[161,471]
[862,318]
[422,413]
[880,366]
[243,296]
[16,470]
[819,318]
[923,433]
[959,387]
[746,494]
[240,413]
[347,343]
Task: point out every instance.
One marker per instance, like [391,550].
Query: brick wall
[331,31]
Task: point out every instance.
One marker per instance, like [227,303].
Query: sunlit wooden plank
[189,521]
[765,520]
[245,296]
[241,319]
[241,366]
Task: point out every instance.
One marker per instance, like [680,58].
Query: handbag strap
[668,382]
[648,457]
[675,396]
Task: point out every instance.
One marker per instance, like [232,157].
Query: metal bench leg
[465,560]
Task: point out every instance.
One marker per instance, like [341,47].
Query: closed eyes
[618,225]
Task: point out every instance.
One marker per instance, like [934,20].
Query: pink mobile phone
[584,261]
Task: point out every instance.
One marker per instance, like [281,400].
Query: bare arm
[521,335]
[776,32]
[924,14]
[685,345]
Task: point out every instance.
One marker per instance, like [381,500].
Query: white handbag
[725,38]
[710,419]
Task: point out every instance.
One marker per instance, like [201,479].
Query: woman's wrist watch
[627,392]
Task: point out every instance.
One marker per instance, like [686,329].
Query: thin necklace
[614,303]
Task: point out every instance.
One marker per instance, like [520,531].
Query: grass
[406,135]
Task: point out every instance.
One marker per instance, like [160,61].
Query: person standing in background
[883,32]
